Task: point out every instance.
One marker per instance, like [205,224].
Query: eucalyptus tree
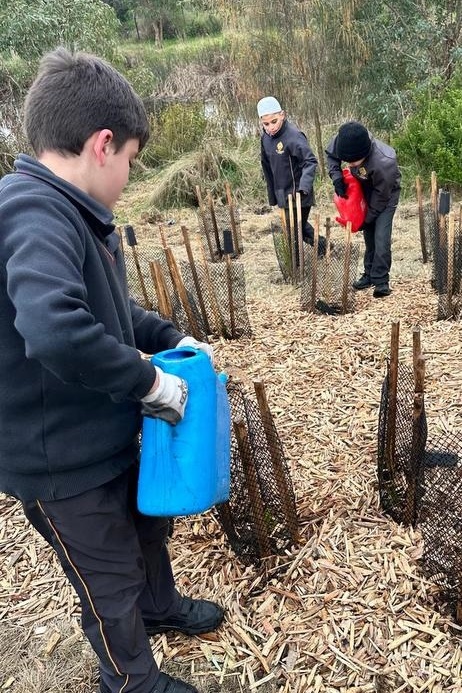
[32,27]
[414,46]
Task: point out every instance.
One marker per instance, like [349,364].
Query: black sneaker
[194,617]
[322,246]
[164,684]
[168,684]
[381,290]
[364,282]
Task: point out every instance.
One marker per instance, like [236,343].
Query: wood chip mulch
[348,610]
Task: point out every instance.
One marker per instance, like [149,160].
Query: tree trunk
[319,146]
[158,32]
[136,26]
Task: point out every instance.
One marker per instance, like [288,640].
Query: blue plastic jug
[184,469]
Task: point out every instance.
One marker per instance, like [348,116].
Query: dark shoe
[364,282]
[164,684]
[381,290]
[308,233]
[194,617]
[168,684]
[322,246]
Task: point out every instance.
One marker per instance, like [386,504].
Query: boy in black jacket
[73,383]
[374,164]
[288,164]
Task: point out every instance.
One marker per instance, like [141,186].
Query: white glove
[202,346]
[168,401]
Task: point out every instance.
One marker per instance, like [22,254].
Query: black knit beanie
[353,142]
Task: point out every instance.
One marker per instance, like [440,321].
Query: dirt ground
[347,610]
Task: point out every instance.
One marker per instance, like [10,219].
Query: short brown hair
[75,95]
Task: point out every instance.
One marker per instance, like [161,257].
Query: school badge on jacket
[280,148]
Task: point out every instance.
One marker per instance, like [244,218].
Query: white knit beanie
[268,105]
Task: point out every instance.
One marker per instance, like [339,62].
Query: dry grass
[347,611]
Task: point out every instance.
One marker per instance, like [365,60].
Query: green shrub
[431,139]
[141,78]
[177,130]
[201,24]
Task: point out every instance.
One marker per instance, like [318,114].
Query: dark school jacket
[288,164]
[71,375]
[379,175]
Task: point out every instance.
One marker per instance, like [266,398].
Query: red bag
[354,207]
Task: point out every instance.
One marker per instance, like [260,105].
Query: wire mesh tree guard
[201,298]
[219,225]
[260,518]
[327,284]
[440,519]
[402,433]
[420,483]
[325,279]
[288,241]
[441,244]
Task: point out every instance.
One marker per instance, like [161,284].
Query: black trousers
[118,563]
[377,256]
[307,231]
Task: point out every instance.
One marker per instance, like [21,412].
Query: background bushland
[201,65]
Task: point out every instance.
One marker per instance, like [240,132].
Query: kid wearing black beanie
[374,164]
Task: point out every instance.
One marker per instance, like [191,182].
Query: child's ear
[101,144]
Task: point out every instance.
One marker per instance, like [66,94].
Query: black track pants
[118,563]
[377,256]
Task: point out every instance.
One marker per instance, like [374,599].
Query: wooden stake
[256,503]
[434,196]
[282,214]
[276,461]
[328,233]
[182,294]
[418,443]
[147,302]
[346,269]
[214,223]
[459,601]
[416,350]
[121,237]
[328,257]
[314,264]
[205,223]
[160,286]
[285,240]
[301,254]
[291,235]
[450,279]
[195,277]
[423,244]
[459,590]
[229,282]
[392,399]
[229,199]
[220,326]
[163,240]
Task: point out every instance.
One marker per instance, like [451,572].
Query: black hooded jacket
[288,164]
[71,375]
[378,174]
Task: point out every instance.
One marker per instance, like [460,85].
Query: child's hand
[202,346]
[167,398]
[340,188]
